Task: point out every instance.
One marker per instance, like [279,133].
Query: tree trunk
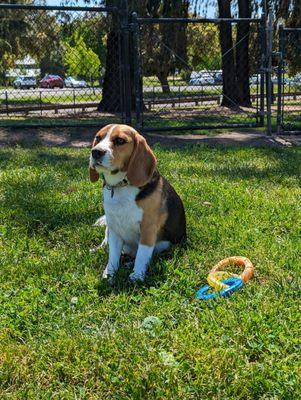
[164,82]
[111,90]
[111,96]
[242,55]
[228,65]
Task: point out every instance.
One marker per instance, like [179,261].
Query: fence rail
[195,20]
[55,107]
[56,8]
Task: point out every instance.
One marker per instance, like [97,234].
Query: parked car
[202,79]
[285,81]
[255,79]
[75,83]
[218,78]
[25,82]
[52,81]
[296,80]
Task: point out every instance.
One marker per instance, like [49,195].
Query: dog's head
[121,148]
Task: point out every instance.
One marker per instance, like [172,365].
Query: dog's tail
[101,221]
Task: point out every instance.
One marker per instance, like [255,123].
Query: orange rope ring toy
[247,273]
[224,282]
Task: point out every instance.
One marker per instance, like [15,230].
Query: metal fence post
[262,65]
[6,101]
[280,78]
[137,72]
[40,101]
[269,72]
[74,100]
[125,50]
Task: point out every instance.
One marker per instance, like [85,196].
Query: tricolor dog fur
[144,214]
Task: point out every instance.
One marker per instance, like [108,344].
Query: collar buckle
[112,188]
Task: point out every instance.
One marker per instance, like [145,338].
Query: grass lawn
[64,334]
[207,116]
[49,98]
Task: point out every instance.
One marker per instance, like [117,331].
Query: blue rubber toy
[233,283]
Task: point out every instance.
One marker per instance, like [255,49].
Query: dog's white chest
[122,213]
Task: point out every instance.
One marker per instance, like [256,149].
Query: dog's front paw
[135,277]
[107,276]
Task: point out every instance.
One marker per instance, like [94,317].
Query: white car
[285,81]
[255,79]
[75,83]
[296,80]
[25,82]
[202,79]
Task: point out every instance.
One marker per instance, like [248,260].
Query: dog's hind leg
[161,246]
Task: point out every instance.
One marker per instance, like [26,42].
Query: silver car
[75,83]
[202,79]
[25,82]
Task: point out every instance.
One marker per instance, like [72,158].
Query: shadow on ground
[29,196]
[82,137]
[283,162]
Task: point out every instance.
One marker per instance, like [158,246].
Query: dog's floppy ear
[142,162]
[94,175]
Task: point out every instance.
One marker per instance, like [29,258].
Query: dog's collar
[112,188]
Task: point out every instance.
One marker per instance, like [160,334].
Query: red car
[52,81]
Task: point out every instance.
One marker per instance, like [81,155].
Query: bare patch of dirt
[82,137]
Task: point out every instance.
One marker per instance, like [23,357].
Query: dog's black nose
[97,154]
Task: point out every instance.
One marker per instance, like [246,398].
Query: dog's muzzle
[97,156]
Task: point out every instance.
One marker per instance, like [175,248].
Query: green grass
[190,91]
[49,98]
[291,119]
[46,121]
[158,118]
[154,81]
[67,335]
[207,116]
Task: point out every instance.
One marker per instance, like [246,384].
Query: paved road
[44,93]
[21,93]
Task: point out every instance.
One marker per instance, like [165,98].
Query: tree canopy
[81,60]
[59,42]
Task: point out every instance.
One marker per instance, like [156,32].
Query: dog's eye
[118,141]
[97,139]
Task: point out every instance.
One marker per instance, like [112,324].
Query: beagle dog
[144,214]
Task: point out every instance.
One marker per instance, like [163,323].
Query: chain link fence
[96,65]
[53,65]
[289,80]
[200,74]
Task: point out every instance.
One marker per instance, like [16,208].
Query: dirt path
[82,137]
